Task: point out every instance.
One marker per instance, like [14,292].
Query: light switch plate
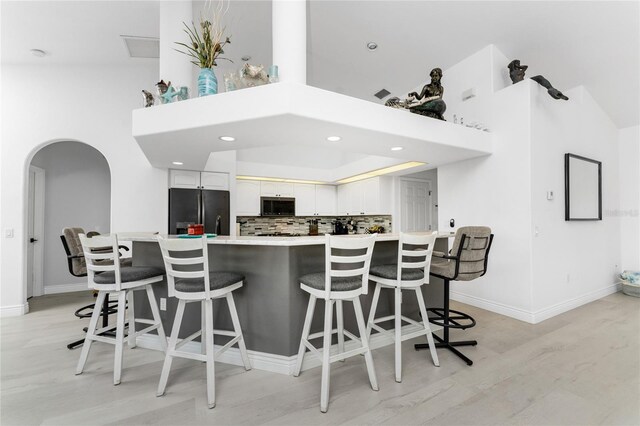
[8,233]
[549,195]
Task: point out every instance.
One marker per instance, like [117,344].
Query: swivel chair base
[448,321]
[451,346]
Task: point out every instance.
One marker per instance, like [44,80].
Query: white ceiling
[593,43]
[300,156]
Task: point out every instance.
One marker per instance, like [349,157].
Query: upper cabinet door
[285,189]
[326,200]
[247,198]
[184,179]
[268,189]
[211,180]
[371,196]
[305,195]
[343,199]
[356,198]
[277,189]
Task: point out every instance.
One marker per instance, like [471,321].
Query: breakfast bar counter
[271,306]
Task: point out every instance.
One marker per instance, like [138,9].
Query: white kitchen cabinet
[184,179]
[343,199]
[356,206]
[371,196]
[365,197]
[325,200]
[214,180]
[305,195]
[277,189]
[190,179]
[248,198]
[315,200]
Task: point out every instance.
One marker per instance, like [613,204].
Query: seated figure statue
[429,100]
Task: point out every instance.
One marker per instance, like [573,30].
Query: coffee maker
[339,228]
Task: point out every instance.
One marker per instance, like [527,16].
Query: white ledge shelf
[286,114]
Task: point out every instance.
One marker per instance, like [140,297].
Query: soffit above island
[292,114]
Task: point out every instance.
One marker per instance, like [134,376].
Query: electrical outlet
[163,303]
[568,278]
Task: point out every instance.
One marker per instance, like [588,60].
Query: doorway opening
[69,186]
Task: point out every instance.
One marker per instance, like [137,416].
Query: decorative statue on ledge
[148,98]
[516,72]
[428,102]
[430,99]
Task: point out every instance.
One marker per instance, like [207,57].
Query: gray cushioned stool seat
[217,280]
[129,274]
[337,283]
[390,272]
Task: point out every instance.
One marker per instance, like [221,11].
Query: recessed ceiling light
[38,53]
[372,45]
[178,163]
[227,138]
[334,138]
[397,148]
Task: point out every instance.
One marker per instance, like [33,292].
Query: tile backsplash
[256,225]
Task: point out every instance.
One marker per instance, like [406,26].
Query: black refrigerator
[191,206]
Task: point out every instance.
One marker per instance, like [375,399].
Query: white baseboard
[537,316]
[65,288]
[489,305]
[14,310]
[567,305]
[272,362]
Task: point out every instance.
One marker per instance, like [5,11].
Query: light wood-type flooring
[579,368]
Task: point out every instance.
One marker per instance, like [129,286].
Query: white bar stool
[190,284]
[413,274]
[105,274]
[338,284]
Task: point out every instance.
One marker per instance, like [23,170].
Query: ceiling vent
[382,94]
[142,47]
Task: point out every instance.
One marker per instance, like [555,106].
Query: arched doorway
[69,185]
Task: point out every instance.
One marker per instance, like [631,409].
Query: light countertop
[268,241]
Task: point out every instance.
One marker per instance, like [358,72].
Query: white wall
[77,194]
[540,265]
[573,261]
[629,157]
[88,104]
[495,191]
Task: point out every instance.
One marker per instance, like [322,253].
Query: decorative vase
[207,82]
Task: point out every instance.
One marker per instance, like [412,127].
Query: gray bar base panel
[271,305]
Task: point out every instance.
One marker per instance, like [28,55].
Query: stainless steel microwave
[277,206]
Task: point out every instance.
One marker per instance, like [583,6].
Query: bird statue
[149,100]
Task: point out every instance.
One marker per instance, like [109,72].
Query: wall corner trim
[14,310]
[498,308]
[570,304]
[65,288]
[540,315]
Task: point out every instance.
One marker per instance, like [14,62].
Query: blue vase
[207,82]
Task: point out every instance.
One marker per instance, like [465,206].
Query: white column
[174,66]
[289,32]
